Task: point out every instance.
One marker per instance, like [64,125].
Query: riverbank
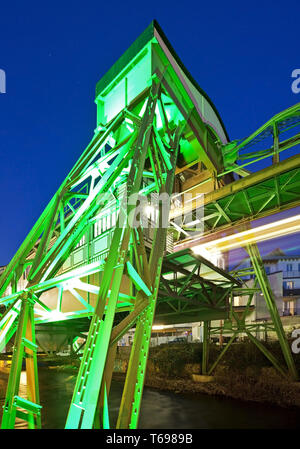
[244,373]
[268,387]
[253,384]
[159,409]
[264,390]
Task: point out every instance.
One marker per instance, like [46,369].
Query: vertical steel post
[90,377]
[25,346]
[271,304]
[205,346]
[135,378]
[275,159]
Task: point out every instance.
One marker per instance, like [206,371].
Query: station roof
[147,35]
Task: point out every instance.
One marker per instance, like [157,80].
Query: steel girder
[25,347]
[192,289]
[86,190]
[91,373]
[264,283]
[128,148]
[267,192]
[267,141]
[236,323]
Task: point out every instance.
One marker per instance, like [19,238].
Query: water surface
[161,410]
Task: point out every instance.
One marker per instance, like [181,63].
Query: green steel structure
[157,134]
[192,286]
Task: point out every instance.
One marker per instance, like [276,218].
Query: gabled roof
[147,35]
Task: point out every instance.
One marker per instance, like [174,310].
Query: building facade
[284,276]
[289,267]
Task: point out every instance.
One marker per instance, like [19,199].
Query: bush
[170,360]
[244,358]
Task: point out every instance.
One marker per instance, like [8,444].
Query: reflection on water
[160,410]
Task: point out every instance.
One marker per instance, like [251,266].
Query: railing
[291,292]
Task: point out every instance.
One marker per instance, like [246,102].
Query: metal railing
[291,292]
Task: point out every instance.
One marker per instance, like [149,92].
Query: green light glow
[153,122]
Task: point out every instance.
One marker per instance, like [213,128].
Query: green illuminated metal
[27,409]
[85,398]
[205,347]
[132,394]
[236,324]
[154,126]
[271,304]
[235,153]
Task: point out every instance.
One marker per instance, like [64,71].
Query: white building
[289,268]
[284,276]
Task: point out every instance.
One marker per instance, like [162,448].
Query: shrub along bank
[243,373]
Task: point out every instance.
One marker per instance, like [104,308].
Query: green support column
[143,102]
[221,355]
[25,346]
[135,378]
[86,394]
[271,304]
[205,347]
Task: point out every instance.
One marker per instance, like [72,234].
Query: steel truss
[58,231]
[191,289]
[133,154]
[257,194]
[236,323]
[25,347]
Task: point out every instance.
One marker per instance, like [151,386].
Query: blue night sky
[241,53]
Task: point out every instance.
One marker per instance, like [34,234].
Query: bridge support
[205,346]
[237,324]
[264,283]
[147,107]
[97,363]
[24,347]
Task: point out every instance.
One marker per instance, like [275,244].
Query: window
[114,220]
[103,219]
[268,270]
[105,223]
[288,285]
[108,221]
[97,228]
[289,267]
[286,307]
[299,267]
[81,242]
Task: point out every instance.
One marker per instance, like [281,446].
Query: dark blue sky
[241,53]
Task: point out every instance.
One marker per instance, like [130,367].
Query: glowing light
[212,255]
[261,233]
[23,378]
[56,315]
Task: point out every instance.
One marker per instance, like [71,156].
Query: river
[161,410]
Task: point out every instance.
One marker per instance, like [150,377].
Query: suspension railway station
[139,232]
